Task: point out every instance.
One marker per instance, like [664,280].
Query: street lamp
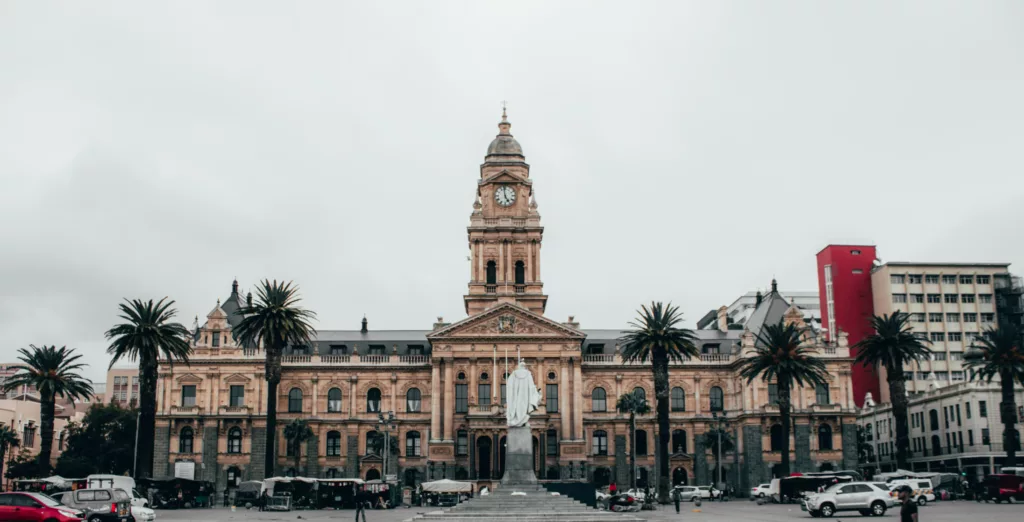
[719,423]
[869,404]
[388,423]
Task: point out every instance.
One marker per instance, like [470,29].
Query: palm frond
[997,353]
[148,333]
[52,371]
[657,331]
[782,356]
[274,320]
[893,345]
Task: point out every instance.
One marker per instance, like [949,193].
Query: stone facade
[445,384]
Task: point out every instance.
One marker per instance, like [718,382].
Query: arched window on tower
[520,273]
[492,273]
[824,437]
[235,440]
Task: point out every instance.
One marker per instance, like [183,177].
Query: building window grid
[461,398]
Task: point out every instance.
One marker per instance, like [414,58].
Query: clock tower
[504,231]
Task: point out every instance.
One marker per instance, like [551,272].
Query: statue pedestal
[519,458]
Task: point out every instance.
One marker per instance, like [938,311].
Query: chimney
[572,323]
[440,323]
[248,299]
[758,299]
[723,319]
[363,329]
[234,287]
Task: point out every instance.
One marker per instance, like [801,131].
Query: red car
[35,507]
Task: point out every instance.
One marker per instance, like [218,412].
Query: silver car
[100,505]
[868,498]
[687,493]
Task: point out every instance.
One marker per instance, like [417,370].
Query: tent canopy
[447,486]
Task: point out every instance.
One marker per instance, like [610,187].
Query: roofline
[843,245]
[908,263]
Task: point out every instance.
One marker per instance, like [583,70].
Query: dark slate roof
[771,310]
[403,339]
[232,304]
[727,340]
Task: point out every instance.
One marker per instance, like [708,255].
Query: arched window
[680,477]
[640,392]
[933,419]
[185,440]
[520,273]
[333,444]
[641,442]
[552,442]
[412,400]
[295,400]
[334,400]
[373,400]
[492,273]
[374,442]
[678,399]
[600,442]
[234,476]
[679,441]
[412,444]
[599,400]
[821,394]
[372,474]
[824,437]
[235,440]
[776,437]
[717,399]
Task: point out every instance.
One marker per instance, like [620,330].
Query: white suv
[760,491]
[869,498]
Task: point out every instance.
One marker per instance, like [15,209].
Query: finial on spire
[234,287]
[504,106]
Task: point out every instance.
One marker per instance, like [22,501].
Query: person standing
[612,489]
[676,495]
[361,499]
[263,500]
[908,511]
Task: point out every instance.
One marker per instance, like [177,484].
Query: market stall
[446,492]
[177,493]
[338,493]
[299,492]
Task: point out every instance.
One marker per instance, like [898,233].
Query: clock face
[505,195]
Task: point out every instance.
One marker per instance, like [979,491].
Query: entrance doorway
[680,477]
[483,452]
[501,458]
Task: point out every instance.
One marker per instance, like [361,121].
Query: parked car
[100,505]
[922,490]
[761,491]
[35,506]
[1002,487]
[118,482]
[687,493]
[707,494]
[868,498]
[639,494]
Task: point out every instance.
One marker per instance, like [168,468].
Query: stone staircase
[536,505]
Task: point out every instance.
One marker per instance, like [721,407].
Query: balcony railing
[185,410]
[295,358]
[335,359]
[373,359]
[706,358]
[414,359]
[491,289]
[353,360]
[520,289]
[227,410]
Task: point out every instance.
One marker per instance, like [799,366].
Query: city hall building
[445,384]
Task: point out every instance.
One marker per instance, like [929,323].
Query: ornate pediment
[507,319]
[189,377]
[237,378]
[503,176]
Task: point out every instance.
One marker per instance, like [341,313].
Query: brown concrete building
[445,384]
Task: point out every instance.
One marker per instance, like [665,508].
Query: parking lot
[727,511]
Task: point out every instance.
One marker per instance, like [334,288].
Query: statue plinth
[519,458]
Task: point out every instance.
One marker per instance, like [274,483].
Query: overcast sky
[684,152]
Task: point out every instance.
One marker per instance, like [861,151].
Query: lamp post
[870,404]
[388,423]
[135,458]
[720,422]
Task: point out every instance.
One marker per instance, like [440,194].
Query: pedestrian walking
[263,500]
[362,498]
[675,494]
[908,511]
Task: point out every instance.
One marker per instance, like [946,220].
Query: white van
[1013,471]
[118,482]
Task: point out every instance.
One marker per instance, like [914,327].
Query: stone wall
[208,470]
[850,457]
[802,448]
[700,460]
[312,461]
[621,470]
[352,456]
[161,452]
[753,464]
[258,454]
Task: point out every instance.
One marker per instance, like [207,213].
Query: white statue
[521,397]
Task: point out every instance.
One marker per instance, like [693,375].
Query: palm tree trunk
[46,409]
[784,405]
[273,371]
[1008,412]
[298,456]
[147,414]
[660,361]
[898,396]
[632,450]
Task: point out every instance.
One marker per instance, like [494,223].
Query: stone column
[563,404]
[500,268]
[435,401]
[495,454]
[394,394]
[472,454]
[802,445]
[473,381]
[529,262]
[577,392]
[352,396]
[316,394]
[538,261]
[496,386]
[449,400]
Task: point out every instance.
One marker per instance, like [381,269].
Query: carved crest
[507,324]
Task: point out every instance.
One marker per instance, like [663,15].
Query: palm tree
[998,353]
[892,346]
[146,335]
[274,321]
[634,404]
[655,335]
[8,439]
[297,432]
[781,355]
[711,440]
[53,373]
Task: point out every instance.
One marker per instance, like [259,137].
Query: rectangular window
[917,318]
[896,279]
[502,394]
[970,437]
[950,298]
[949,279]
[899,298]
[954,337]
[958,423]
[952,318]
[934,298]
[773,394]
[551,441]
[982,409]
[29,437]
[415,349]
[595,349]
[931,279]
[712,348]
[938,356]
[984,436]
[216,339]
[855,252]
[957,376]
[914,279]
[988,318]
[857,271]
[412,446]
[237,396]
[552,397]
[921,335]
[188,395]
[461,398]
[462,444]
[483,392]
[922,376]
[600,443]
[967,409]
[934,318]
[300,349]
[937,337]
[956,356]
[916,298]
[966,298]
[970,318]
[967,280]
[983,280]
[338,349]
[945,418]
[985,298]
[377,349]
[942,376]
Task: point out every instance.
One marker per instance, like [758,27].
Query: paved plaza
[729,511]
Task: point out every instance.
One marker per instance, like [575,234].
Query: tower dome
[504,146]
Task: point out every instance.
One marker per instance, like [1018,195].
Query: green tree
[8,440]
[711,439]
[103,442]
[53,373]
[274,321]
[24,466]
[893,346]
[146,334]
[782,356]
[633,404]
[997,353]
[657,336]
[296,432]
